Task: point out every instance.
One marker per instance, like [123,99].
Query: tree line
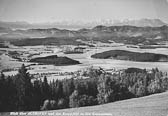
[24,93]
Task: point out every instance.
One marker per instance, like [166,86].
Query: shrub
[46,105]
[53,104]
[62,103]
[49,105]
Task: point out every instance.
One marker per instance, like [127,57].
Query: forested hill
[55,60]
[119,34]
[132,56]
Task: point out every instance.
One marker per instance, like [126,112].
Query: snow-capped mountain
[85,24]
[141,23]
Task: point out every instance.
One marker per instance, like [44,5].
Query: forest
[46,41]
[55,60]
[132,56]
[23,92]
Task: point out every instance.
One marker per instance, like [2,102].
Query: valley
[9,65]
[83,58]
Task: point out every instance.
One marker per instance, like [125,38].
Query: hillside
[132,56]
[119,34]
[55,60]
[153,105]
[47,41]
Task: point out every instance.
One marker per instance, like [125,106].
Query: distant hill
[5,30]
[15,25]
[132,56]
[141,23]
[119,34]
[55,60]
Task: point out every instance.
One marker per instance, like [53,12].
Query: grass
[153,105]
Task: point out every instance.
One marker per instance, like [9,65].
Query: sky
[39,11]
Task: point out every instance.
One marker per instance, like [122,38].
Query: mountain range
[150,35]
[82,24]
[106,34]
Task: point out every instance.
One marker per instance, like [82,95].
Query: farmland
[29,52]
[62,59]
[83,58]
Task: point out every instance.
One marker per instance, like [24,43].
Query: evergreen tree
[11,94]
[37,95]
[46,91]
[2,91]
[68,87]
[24,89]
[59,90]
